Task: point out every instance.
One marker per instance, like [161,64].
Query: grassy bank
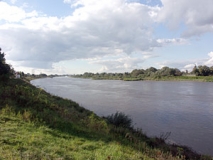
[152,78]
[37,125]
[183,78]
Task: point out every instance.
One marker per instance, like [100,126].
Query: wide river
[183,108]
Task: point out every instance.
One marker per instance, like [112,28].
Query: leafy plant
[119,119]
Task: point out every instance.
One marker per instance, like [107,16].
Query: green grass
[182,78]
[37,125]
[20,139]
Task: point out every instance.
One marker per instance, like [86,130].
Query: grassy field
[37,125]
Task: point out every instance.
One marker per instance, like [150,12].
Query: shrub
[119,119]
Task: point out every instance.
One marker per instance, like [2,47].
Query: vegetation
[200,73]
[28,77]
[119,119]
[37,125]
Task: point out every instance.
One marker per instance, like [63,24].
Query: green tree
[136,72]
[177,72]
[41,75]
[4,67]
[151,69]
[195,71]
[87,75]
[211,70]
[204,70]
[166,71]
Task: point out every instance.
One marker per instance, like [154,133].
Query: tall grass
[119,119]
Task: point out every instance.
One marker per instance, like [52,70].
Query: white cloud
[38,40]
[121,62]
[188,67]
[210,54]
[177,41]
[195,14]
[210,61]
[14,14]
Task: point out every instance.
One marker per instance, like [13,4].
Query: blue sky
[77,36]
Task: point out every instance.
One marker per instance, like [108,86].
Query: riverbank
[158,78]
[37,125]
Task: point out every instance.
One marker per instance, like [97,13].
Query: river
[183,108]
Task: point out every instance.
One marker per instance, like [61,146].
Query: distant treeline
[29,77]
[151,74]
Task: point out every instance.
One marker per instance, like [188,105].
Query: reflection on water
[183,108]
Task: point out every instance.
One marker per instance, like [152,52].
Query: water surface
[183,108]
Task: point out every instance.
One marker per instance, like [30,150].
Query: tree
[195,71]
[204,70]
[151,69]
[136,72]
[177,72]
[4,67]
[211,70]
[166,71]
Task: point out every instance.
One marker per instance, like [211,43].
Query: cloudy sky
[77,36]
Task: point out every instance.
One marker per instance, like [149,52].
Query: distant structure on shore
[17,75]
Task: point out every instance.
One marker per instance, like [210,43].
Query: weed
[165,136]
[119,119]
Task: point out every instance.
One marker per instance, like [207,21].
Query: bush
[119,119]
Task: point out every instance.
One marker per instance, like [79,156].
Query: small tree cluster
[202,70]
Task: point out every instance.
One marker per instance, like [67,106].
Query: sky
[77,36]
